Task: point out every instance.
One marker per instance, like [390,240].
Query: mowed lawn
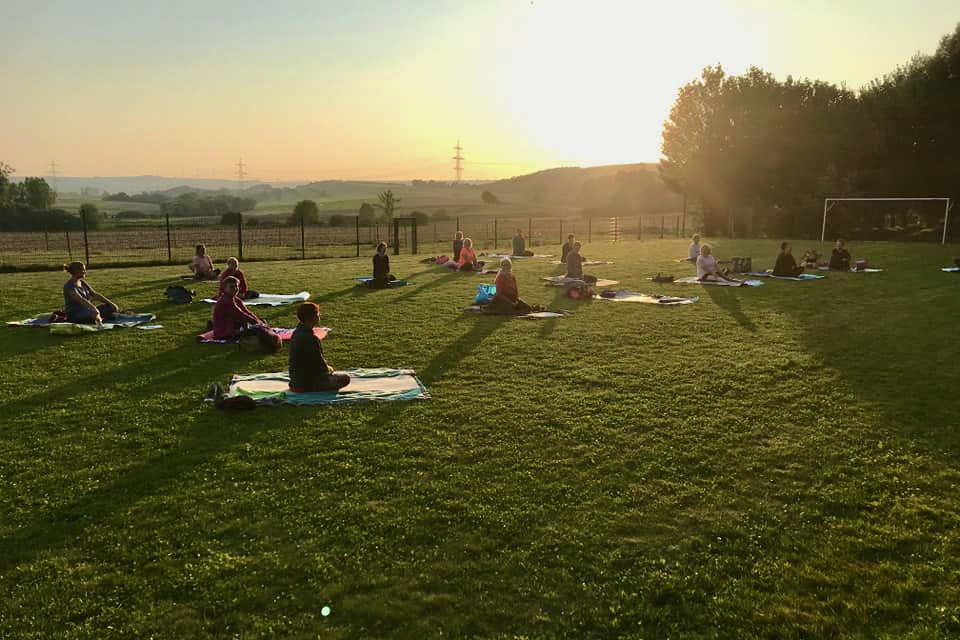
[772,462]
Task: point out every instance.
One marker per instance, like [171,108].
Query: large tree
[387,203]
[8,190]
[306,212]
[36,193]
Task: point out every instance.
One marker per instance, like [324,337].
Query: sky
[323,89]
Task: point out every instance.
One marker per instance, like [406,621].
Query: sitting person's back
[786,264]
[457,245]
[519,244]
[309,370]
[840,257]
[575,262]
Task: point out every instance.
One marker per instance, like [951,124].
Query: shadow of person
[728,299]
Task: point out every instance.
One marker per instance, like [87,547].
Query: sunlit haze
[383,90]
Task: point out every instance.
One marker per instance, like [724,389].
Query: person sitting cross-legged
[707,268]
[786,264]
[230,315]
[507,298]
[381,268]
[840,257]
[309,370]
[79,298]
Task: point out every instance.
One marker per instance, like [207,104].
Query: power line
[53,173]
[240,172]
[458,168]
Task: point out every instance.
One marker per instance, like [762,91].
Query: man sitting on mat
[520,245]
[575,265]
[840,257]
[308,369]
[202,265]
[565,249]
[381,268]
[79,298]
[233,270]
[507,298]
[230,315]
[786,265]
[707,266]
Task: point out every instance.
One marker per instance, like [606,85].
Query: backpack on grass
[259,340]
[178,294]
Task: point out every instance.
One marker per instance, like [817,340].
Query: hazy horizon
[382,91]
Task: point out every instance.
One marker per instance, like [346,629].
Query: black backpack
[178,294]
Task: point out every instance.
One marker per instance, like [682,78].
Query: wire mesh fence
[173,242]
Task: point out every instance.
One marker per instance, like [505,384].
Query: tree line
[762,154]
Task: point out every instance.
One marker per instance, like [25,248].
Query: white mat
[271,299]
[719,283]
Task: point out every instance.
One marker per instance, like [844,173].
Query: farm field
[772,462]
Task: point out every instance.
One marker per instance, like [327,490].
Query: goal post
[830,203]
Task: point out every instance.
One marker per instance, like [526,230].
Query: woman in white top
[707,266]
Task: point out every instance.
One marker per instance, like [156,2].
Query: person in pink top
[507,298]
[230,315]
[202,265]
[233,271]
[468,257]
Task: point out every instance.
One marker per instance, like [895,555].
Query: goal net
[886,218]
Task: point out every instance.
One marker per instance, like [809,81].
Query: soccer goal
[830,203]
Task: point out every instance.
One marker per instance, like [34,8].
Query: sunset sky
[383,90]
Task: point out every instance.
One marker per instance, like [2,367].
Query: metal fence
[248,239]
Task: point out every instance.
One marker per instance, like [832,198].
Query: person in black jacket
[786,263]
[840,257]
[309,370]
[565,248]
[381,268]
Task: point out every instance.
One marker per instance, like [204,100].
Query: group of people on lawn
[785,266]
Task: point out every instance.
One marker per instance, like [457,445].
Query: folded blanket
[507,255]
[648,298]
[769,274]
[118,321]
[951,269]
[563,281]
[271,299]
[390,285]
[381,385]
[588,263]
[720,283]
[285,335]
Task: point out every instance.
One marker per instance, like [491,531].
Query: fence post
[358,236]
[662,222]
[303,240]
[683,223]
[413,238]
[240,236]
[169,247]
[435,232]
[640,228]
[678,226]
[46,238]
[86,246]
[396,237]
[496,233]
[561,231]
[69,250]
[589,230]
[530,230]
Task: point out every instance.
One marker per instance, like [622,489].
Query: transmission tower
[240,172]
[53,174]
[458,168]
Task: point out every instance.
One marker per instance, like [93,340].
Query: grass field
[772,462]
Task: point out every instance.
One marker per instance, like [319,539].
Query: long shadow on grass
[483,327]
[729,301]
[550,324]
[417,290]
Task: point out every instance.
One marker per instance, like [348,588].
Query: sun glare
[592,83]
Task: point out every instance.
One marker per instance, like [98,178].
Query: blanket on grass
[362,280]
[587,263]
[119,321]
[563,281]
[366,385]
[507,255]
[769,274]
[721,283]
[648,298]
[285,335]
[852,270]
[214,279]
[951,269]
[533,315]
[271,299]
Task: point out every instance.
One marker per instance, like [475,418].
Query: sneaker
[214,393]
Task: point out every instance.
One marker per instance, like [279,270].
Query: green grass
[773,462]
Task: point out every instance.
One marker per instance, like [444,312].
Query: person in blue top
[79,298]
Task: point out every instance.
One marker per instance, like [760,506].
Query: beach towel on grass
[271,299]
[647,298]
[533,315]
[951,269]
[507,255]
[588,263]
[285,335]
[214,279]
[852,270]
[769,274]
[721,283]
[366,385]
[119,321]
[393,283]
[563,281]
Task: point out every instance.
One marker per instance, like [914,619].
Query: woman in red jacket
[507,298]
[230,315]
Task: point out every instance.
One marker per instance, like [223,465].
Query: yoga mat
[588,263]
[720,283]
[366,385]
[507,255]
[951,269]
[647,298]
[867,270]
[285,335]
[271,299]
[191,278]
[119,321]
[390,285]
[535,315]
[562,281]
[802,276]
